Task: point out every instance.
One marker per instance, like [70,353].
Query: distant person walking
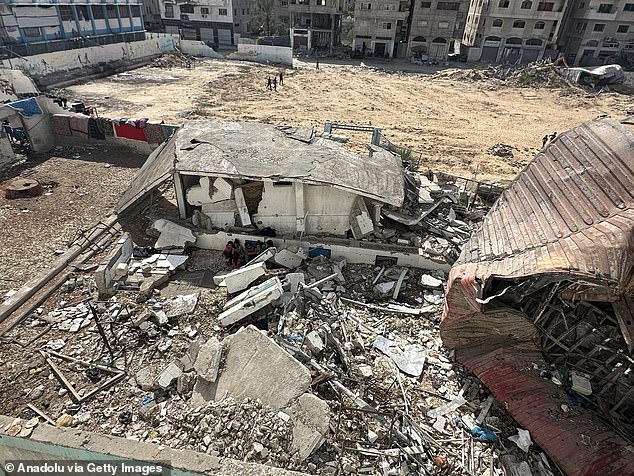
[269,83]
[274,83]
[281,78]
[317,65]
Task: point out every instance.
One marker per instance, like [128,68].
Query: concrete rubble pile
[176,59]
[341,368]
[540,74]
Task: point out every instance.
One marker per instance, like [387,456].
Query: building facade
[381,28]
[314,24]
[210,21]
[152,15]
[599,31]
[28,28]
[512,31]
[436,26]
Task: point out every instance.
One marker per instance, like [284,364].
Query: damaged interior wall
[549,276]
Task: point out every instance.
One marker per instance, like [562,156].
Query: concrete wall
[48,443]
[49,67]
[353,251]
[266,53]
[198,48]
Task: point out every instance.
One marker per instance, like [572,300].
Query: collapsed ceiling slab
[539,304]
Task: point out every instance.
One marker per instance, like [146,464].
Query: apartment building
[512,31]
[599,31]
[314,24]
[435,28]
[206,20]
[152,15]
[381,27]
[28,27]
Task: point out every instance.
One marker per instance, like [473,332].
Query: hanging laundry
[93,130]
[153,133]
[127,131]
[105,126]
[61,125]
[27,107]
[78,124]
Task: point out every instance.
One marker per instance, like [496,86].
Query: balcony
[380,14]
[314,6]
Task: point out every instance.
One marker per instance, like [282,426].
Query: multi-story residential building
[436,26]
[599,31]
[207,20]
[314,24]
[152,15]
[381,27]
[28,27]
[512,31]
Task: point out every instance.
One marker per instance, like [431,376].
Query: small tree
[264,9]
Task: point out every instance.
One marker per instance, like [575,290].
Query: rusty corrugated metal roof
[570,210]
[569,216]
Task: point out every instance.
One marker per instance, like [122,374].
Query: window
[581,26]
[97,12]
[187,9]
[222,12]
[66,12]
[388,7]
[545,6]
[448,5]
[497,23]
[366,6]
[386,26]
[31,32]
[284,3]
[539,25]
[136,11]
[534,42]
[204,10]
[82,12]
[425,4]
[629,7]
[622,29]
[519,24]
[112,11]
[526,5]
[169,11]
[606,8]
[599,27]
[503,4]
[443,24]
[422,22]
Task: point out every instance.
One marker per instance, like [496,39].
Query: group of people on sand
[238,255]
[272,83]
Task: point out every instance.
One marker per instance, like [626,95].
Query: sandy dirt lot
[451,123]
[81,187]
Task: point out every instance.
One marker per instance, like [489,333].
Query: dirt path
[451,123]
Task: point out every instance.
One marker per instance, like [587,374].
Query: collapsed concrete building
[238,180]
[539,305]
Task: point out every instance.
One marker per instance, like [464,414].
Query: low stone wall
[265,54]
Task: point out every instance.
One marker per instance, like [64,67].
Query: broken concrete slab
[288,259]
[221,190]
[179,305]
[266,255]
[428,281]
[241,278]
[360,221]
[294,280]
[311,418]
[207,363]
[315,343]
[149,284]
[172,235]
[255,367]
[106,272]
[251,301]
[169,375]
[185,382]
[243,211]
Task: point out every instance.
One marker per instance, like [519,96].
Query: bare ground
[451,123]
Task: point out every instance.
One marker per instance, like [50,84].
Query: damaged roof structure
[540,303]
